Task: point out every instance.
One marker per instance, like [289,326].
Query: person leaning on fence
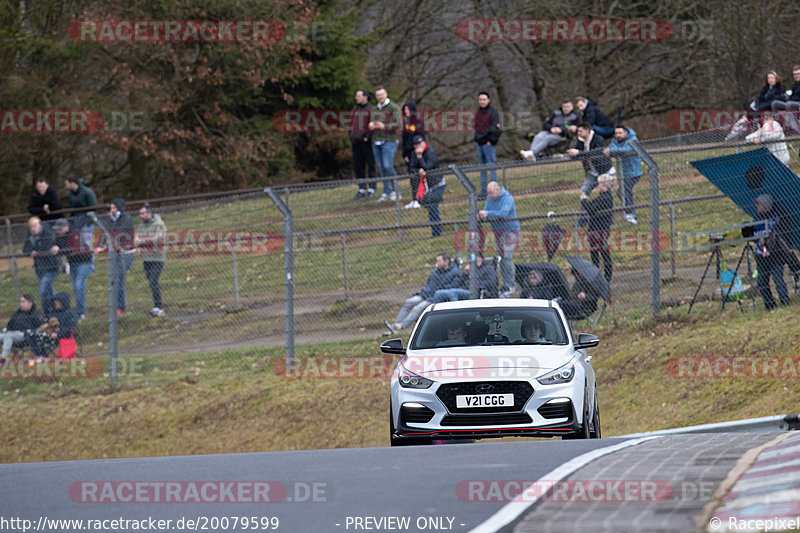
[118,238]
[621,148]
[792,102]
[555,130]
[81,261]
[486,283]
[772,250]
[443,276]
[771,133]
[600,218]
[501,212]
[44,201]
[430,187]
[150,243]
[41,246]
[25,319]
[589,150]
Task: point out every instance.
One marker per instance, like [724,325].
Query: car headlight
[560,375]
[410,380]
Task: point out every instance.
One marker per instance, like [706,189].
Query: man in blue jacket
[621,148]
[501,211]
[487,283]
[443,276]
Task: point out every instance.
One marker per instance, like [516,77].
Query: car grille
[486,420]
[556,410]
[416,415]
[522,390]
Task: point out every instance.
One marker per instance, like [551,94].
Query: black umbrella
[554,283]
[552,234]
[591,274]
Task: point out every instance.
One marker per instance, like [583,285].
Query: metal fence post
[235,277]
[12,262]
[474,239]
[655,251]
[399,210]
[672,236]
[114,263]
[344,266]
[577,236]
[288,267]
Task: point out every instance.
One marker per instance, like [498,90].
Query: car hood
[508,361]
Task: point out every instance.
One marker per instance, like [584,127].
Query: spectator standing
[413,126]
[84,201]
[771,133]
[486,283]
[487,132]
[592,114]
[150,241]
[772,90]
[81,262]
[792,103]
[443,276]
[118,239]
[361,143]
[772,250]
[24,320]
[431,187]
[590,151]
[44,201]
[41,246]
[621,148]
[556,130]
[385,126]
[501,211]
[600,219]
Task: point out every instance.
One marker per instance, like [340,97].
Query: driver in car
[456,335]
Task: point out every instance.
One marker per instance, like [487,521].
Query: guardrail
[748,425]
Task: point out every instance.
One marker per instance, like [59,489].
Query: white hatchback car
[492,368]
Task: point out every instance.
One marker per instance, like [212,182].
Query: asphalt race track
[426,488]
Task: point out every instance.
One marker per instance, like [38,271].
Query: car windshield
[489,327]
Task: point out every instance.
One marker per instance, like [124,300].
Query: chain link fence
[228,286]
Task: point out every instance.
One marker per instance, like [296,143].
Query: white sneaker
[526,154]
[157,311]
[383,197]
[394,195]
[413,204]
[631,218]
[506,293]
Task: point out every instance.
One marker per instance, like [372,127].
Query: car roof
[493,302]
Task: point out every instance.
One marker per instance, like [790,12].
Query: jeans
[791,105]
[46,280]
[384,156]
[590,182]
[627,184]
[542,140]
[152,270]
[10,338]
[87,233]
[506,242]
[450,295]
[769,267]
[125,261]
[603,131]
[78,274]
[487,155]
[412,308]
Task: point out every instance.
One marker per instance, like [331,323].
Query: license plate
[484,400]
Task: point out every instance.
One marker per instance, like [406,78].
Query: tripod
[747,252]
[716,252]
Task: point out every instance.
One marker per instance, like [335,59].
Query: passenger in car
[532,331]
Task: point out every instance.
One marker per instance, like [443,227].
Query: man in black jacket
[487,133]
[589,150]
[593,115]
[361,142]
[792,103]
[81,259]
[118,238]
[41,246]
[26,318]
[431,187]
[44,201]
[555,131]
[600,219]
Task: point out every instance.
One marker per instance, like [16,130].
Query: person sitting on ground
[67,318]
[443,276]
[532,331]
[486,283]
[771,91]
[538,288]
[456,335]
[589,150]
[592,114]
[44,339]
[584,294]
[792,102]
[555,131]
[771,133]
[25,319]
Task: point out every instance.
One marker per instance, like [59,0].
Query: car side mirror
[394,346]
[586,340]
